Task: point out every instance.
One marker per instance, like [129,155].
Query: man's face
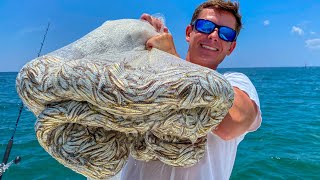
[208,49]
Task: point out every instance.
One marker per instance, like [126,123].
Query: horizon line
[225,68]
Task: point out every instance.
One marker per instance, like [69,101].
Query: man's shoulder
[241,81]
[238,79]
[231,74]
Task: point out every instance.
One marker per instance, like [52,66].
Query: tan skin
[209,51]
[164,41]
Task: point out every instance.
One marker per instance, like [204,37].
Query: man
[211,36]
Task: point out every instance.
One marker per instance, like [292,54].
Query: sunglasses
[207,27]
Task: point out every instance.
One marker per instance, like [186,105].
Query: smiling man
[206,47]
[211,35]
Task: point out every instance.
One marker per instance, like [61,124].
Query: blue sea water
[286,146]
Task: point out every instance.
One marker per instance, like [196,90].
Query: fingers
[155,22]
[149,44]
[146,17]
[163,42]
[165,30]
[155,42]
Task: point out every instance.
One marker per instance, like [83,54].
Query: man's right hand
[164,40]
[155,22]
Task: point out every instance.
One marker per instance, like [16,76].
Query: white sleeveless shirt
[219,157]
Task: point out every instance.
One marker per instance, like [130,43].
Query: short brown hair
[232,7]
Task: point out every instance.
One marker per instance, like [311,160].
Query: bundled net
[104,97]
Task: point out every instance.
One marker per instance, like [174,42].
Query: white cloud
[28,30]
[313,33]
[266,22]
[297,30]
[313,43]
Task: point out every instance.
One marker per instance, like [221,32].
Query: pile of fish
[104,97]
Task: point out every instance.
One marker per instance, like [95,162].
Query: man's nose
[214,35]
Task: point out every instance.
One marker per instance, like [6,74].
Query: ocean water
[286,146]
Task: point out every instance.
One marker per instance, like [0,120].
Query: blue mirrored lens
[207,27]
[227,34]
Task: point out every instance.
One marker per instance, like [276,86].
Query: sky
[276,33]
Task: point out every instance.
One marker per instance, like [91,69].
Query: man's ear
[188,32]
[232,46]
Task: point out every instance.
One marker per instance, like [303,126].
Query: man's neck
[210,66]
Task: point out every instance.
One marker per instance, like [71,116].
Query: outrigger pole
[5,165]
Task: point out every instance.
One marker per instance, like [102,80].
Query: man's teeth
[211,48]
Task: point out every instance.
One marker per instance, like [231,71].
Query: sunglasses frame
[215,26]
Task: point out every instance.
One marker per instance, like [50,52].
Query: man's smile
[210,48]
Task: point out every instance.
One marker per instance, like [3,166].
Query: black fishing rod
[5,165]
[44,38]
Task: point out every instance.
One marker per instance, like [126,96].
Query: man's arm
[239,118]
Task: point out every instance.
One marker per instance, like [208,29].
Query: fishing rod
[4,165]
[44,38]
